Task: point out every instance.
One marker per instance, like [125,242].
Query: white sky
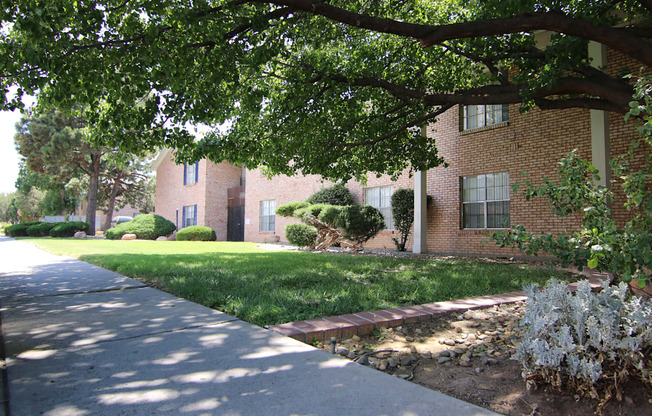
[9,158]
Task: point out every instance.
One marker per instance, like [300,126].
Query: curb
[362,323]
[345,326]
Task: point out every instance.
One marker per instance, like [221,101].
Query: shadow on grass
[278,287]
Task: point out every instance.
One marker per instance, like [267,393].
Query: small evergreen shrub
[20,229]
[361,222]
[41,229]
[301,235]
[68,228]
[146,227]
[403,213]
[588,344]
[196,233]
[287,210]
[335,195]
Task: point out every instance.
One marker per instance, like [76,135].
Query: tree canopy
[336,88]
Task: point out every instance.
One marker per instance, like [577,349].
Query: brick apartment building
[487,148]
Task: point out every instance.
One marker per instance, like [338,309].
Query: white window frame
[484,115]
[268,215]
[190,173]
[486,190]
[380,197]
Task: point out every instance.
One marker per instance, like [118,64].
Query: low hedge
[20,229]
[146,227]
[41,229]
[301,235]
[69,228]
[196,233]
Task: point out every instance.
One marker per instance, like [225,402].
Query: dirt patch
[468,356]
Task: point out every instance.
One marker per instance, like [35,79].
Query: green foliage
[274,287]
[403,214]
[335,195]
[287,210]
[69,228]
[20,229]
[603,244]
[588,344]
[145,226]
[196,233]
[42,229]
[361,222]
[307,90]
[301,235]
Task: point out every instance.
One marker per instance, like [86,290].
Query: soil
[478,367]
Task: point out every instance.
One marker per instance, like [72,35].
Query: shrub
[403,213]
[69,228]
[288,210]
[196,233]
[146,227]
[19,230]
[361,222]
[301,235]
[41,229]
[588,344]
[335,195]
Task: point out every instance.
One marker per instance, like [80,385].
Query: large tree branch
[617,38]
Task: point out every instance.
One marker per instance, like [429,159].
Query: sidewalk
[81,340]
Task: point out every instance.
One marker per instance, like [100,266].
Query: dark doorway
[235,219]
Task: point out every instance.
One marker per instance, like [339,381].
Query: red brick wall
[209,193]
[282,189]
[219,177]
[532,142]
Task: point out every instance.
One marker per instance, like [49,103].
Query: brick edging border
[345,326]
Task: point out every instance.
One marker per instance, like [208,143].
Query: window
[189,216]
[267,215]
[191,173]
[380,197]
[485,201]
[484,115]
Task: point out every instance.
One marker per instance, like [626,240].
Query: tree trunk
[111,207]
[92,191]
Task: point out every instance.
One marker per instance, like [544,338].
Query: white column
[600,148]
[420,209]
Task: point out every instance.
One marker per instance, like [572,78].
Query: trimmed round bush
[301,235]
[69,228]
[41,229]
[19,230]
[361,222]
[196,233]
[146,227]
[335,195]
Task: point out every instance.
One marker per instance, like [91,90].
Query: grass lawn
[271,287]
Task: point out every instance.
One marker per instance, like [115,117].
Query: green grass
[271,287]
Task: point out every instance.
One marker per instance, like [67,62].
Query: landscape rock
[162,238]
[129,237]
[443,360]
[80,234]
[342,351]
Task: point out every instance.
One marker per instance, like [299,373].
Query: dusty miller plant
[586,343]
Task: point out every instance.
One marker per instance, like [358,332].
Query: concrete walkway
[81,340]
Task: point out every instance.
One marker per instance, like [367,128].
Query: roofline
[162,155]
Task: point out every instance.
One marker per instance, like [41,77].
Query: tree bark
[92,191]
[111,207]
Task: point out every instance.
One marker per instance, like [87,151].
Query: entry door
[236,212]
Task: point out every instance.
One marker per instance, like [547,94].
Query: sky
[9,158]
